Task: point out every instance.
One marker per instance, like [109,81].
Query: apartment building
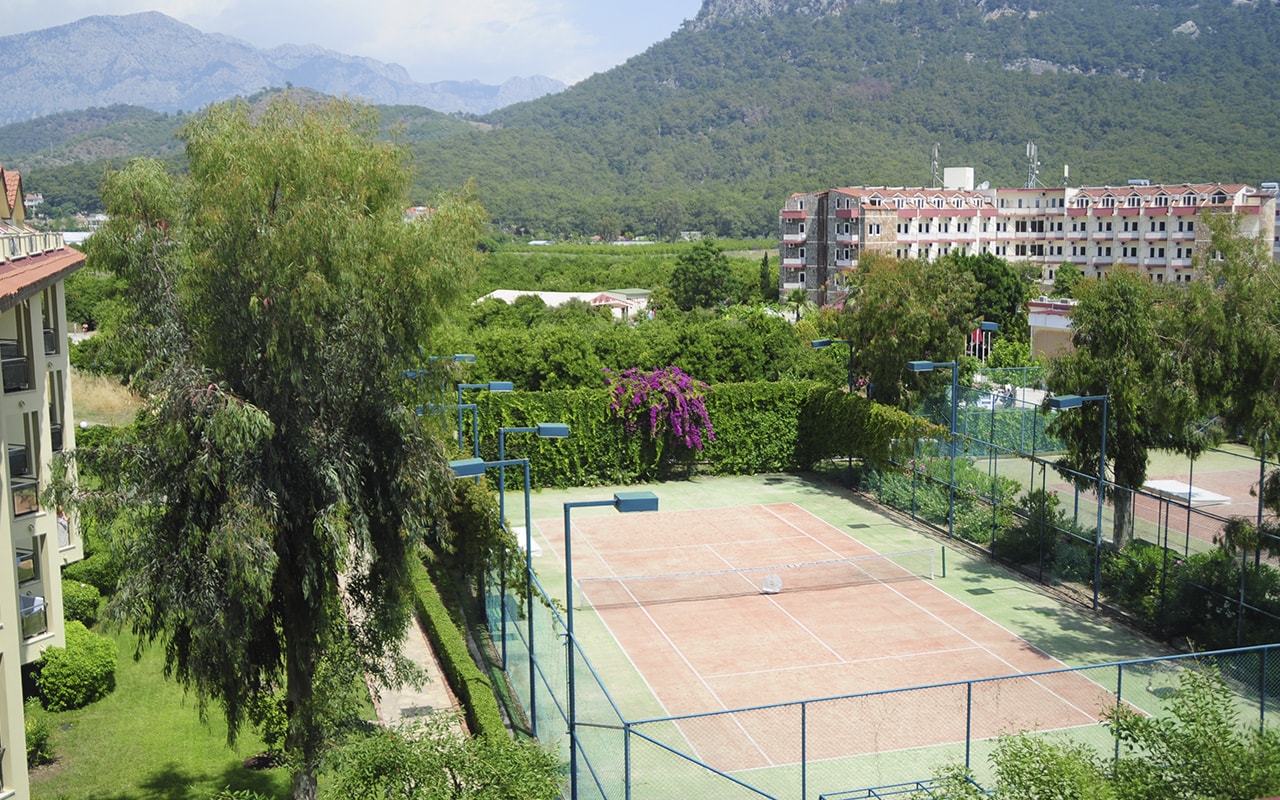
[35,424]
[1153,229]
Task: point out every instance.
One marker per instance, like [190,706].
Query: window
[1108,202]
[1019,249]
[1157,224]
[799,205]
[1161,200]
[1020,226]
[801,278]
[1134,201]
[800,253]
[1037,249]
[800,229]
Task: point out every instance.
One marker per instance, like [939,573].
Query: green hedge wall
[468,682]
[759,428]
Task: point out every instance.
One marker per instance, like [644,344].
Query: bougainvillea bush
[666,405]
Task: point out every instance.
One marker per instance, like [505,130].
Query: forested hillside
[712,128]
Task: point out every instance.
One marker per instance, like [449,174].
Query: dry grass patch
[101,400]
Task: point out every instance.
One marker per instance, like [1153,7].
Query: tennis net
[614,591]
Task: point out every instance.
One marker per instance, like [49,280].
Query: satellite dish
[984,185]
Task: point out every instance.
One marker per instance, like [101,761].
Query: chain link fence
[1181,568]
[862,745]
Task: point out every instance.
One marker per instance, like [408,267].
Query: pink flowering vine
[661,400]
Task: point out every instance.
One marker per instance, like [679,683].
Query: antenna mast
[1033,165]
[933,163]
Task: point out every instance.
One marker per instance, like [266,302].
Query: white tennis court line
[1055,663]
[679,654]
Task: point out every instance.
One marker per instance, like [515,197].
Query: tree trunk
[1122,504]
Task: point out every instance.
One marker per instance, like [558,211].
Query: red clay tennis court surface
[752,648]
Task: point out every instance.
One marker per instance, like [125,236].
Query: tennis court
[738,622]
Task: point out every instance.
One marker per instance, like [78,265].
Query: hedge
[80,601]
[78,674]
[761,427]
[468,682]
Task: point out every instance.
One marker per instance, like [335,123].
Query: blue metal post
[624,502]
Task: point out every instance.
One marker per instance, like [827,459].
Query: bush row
[1172,596]
[760,427]
[473,688]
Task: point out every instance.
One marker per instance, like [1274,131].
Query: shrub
[39,731]
[99,570]
[80,601]
[76,675]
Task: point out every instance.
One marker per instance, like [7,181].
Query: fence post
[804,751]
[1119,701]
[968,726]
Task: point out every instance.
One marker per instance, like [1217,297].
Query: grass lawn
[145,741]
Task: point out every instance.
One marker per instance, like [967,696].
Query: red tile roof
[13,189]
[28,277]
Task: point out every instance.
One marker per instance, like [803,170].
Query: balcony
[794,213]
[794,238]
[13,366]
[34,620]
[846,238]
[26,496]
[793,262]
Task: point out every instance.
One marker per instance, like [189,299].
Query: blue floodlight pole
[1075,401]
[492,386]
[545,430]
[625,502]
[418,374]
[474,467]
[929,366]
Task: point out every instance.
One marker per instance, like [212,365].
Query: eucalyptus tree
[1131,346]
[900,311]
[275,487]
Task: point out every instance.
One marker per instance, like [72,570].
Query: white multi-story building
[35,423]
[1153,229]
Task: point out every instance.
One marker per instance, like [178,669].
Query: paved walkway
[407,703]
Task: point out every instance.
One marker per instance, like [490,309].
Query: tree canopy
[275,486]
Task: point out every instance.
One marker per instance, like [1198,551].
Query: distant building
[1153,229]
[31,200]
[35,424]
[1050,322]
[625,303]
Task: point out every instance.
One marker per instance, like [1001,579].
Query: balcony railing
[34,620]
[13,366]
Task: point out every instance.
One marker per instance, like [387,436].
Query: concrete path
[408,703]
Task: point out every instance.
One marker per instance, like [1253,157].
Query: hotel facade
[1153,229]
[35,424]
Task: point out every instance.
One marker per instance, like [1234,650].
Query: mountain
[713,127]
[154,61]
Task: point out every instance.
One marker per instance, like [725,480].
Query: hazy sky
[435,40]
